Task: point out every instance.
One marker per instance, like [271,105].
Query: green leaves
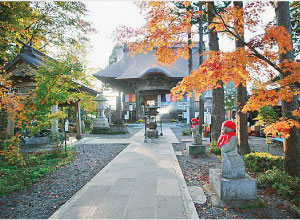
[43,24]
[55,85]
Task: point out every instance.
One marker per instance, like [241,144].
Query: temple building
[144,83]
[21,69]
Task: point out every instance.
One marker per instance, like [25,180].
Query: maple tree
[166,29]
[43,24]
[260,53]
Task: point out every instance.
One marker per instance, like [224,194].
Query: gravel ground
[44,198]
[195,171]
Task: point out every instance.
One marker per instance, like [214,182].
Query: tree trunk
[191,100]
[291,145]
[241,99]
[218,107]
[201,49]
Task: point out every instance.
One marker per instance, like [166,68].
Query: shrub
[214,148]
[174,120]
[279,180]
[186,132]
[141,120]
[260,162]
[87,124]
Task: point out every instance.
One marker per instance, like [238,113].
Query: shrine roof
[29,55]
[136,67]
[35,58]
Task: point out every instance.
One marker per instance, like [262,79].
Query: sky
[106,16]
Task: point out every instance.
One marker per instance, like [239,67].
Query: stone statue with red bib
[233,165]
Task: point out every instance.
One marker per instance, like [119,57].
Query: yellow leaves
[278,35]
[282,127]
[57,115]
[165,56]
[296,113]
[186,3]
[265,97]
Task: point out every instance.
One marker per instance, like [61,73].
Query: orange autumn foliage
[165,30]
[258,63]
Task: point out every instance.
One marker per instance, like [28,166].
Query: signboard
[66,125]
[126,117]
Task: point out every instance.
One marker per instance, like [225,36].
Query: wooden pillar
[54,125]
[118,108]
[138,104]
[78,120]
[201,113]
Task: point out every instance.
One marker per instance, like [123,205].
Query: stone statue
[195,132]
[233,165]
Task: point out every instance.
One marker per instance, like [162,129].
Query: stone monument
[231,183]
[196,147]
[101,123]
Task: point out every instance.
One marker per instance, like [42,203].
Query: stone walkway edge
[137,139]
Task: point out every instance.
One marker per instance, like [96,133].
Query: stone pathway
[143,182]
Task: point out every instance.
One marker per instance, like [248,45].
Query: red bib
[223,139]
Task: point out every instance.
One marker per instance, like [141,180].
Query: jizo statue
[195,132]
[233,165]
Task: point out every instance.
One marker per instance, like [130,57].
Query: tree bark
[190,63]
[292,144]
[201,50]
[241,99]
[218,107]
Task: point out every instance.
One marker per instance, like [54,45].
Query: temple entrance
[151,101]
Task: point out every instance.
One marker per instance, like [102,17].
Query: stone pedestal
[196,149]
[233,189]
[101,123]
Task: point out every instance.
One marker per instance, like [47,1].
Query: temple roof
[35,58]
[136,67]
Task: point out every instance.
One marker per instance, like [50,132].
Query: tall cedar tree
[291,145]
[241,99]
[218,107]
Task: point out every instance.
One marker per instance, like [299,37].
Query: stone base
[100,131]
[36,141]
[119,128]
[233,189]
[194,149]
[101,123]
[217,202]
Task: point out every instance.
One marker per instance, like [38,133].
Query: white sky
[106,16]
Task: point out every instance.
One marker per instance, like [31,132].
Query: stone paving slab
[143,182]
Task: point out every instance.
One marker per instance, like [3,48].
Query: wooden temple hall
[21,68]
[143,83]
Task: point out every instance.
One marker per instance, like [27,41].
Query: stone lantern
[101,122]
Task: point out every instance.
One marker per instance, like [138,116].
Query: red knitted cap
[195,119]
[229,124]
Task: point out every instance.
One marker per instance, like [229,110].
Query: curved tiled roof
[136,67]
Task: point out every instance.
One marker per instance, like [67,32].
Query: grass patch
[186,132]
[38,165]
